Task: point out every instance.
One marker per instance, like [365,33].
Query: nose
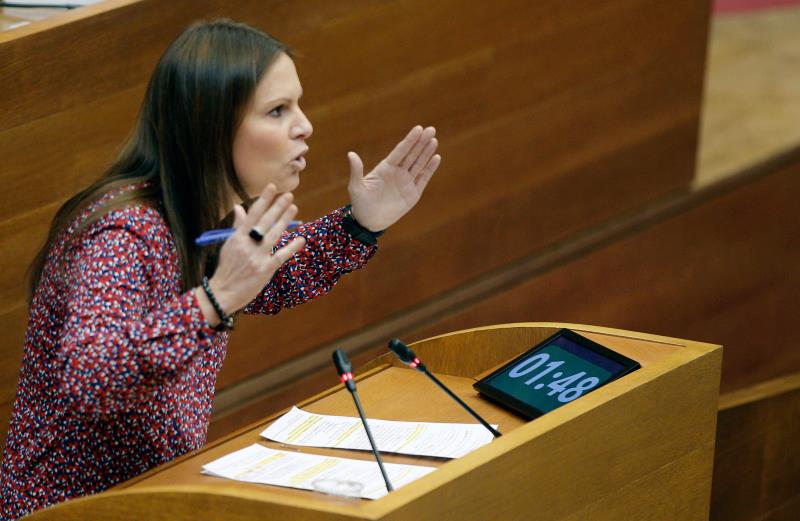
[302,129]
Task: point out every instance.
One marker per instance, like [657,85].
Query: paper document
[55,3]
[259,464]
[441,440]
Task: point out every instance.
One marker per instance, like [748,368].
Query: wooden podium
[638,448]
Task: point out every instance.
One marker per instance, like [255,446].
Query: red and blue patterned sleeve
[329,253]
[113,349]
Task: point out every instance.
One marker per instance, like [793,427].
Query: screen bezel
[484,386]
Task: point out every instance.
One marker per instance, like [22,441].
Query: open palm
[395,185]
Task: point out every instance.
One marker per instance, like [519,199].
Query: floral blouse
[119,366]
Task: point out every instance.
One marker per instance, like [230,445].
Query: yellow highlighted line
[306,475]
[303,428]
[260,465]
[346,434]
[411,437]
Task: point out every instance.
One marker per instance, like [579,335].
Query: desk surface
[13,17]
[422,401]
[649,437]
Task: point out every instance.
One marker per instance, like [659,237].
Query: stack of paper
[259,464]
[440,440]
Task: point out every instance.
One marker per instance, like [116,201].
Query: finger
[418,148]
[263,202]
[356,169]
[239,216]
[422,180]
[278,227]
[402,148]
[286,253]
[424,157]
[273,214]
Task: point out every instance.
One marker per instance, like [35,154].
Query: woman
[128,316]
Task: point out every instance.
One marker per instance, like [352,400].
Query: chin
[286,183]
[291,183]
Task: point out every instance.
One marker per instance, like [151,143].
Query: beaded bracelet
[226,321]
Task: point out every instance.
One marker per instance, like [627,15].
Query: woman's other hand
[393,187]
[246,265]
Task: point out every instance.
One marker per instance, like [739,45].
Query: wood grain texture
[710,272]
[729,245]
[281,397]
[454,252]
[682,475]
[668,433]
[757,459]
[549,113]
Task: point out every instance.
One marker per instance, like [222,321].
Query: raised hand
[245,264]
[393,187]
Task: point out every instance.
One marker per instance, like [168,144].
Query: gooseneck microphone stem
[443,387]
[407,356]
[345,370]
[371,441]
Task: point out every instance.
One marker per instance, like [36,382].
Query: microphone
[345,370]
[407,356]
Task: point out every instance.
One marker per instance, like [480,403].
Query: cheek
[256,148]
[257,143]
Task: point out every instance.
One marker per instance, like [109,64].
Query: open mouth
[299,162]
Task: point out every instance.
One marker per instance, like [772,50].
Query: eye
[277,111]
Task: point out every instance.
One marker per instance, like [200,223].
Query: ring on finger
[256,234]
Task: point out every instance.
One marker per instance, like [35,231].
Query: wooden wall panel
[47,160]
[405,272]
[89,53]
[721,272]
[757,457]
[554,117]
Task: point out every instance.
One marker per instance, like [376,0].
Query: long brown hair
[179,155]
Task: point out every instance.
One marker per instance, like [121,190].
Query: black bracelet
[226,321]
[356,231]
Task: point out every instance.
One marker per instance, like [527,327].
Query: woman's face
[270,143]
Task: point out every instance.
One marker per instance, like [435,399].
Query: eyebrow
[283,98]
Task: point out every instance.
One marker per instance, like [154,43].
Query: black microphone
[345,370]
[407,356]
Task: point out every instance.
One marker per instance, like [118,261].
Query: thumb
[356,169]
[239,216]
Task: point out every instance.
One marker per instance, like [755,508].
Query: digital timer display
[559,370]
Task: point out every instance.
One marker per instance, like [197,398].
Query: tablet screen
[559,370]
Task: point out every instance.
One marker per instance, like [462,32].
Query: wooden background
[569,135]
[553,117]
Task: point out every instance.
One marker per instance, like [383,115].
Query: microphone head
[342,363]
[402,351]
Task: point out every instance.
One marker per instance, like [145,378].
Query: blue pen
[214,236]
